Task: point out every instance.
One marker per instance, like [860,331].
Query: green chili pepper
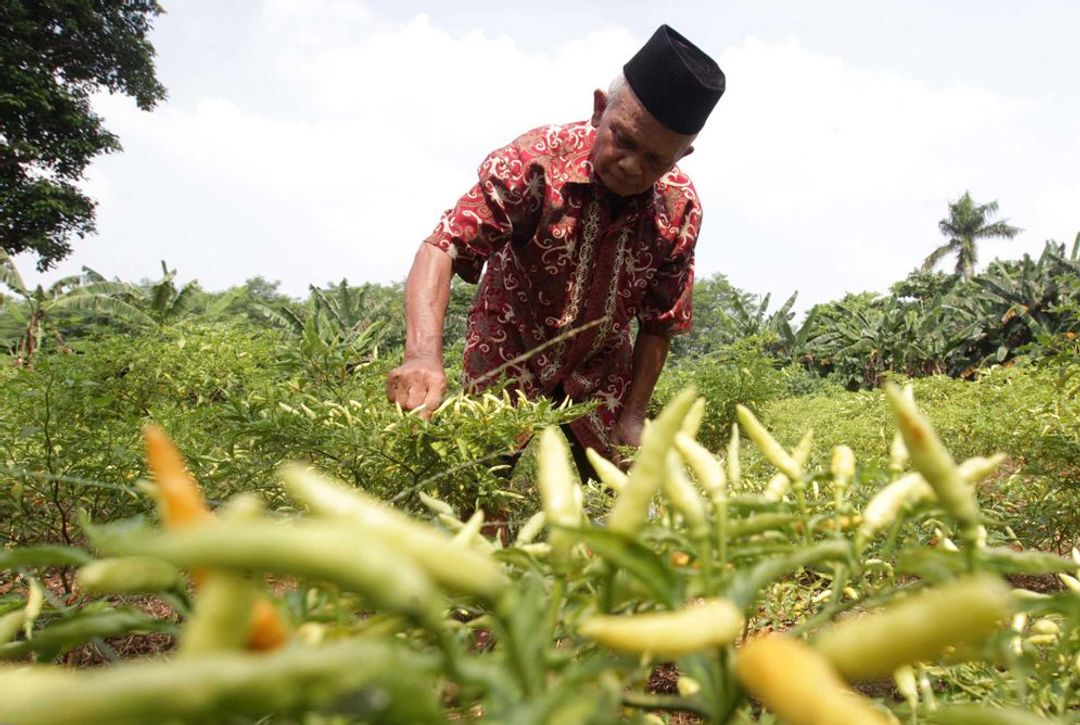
[531,529]
[562,507]
[128,575]
[842,467]
[694,417]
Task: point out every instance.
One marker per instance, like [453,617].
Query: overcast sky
[310,140]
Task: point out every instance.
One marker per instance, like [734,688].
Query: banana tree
[35,314]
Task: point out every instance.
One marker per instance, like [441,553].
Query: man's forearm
[650,353]
[427,293]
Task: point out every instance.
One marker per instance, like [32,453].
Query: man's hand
[419,381]
[628,429]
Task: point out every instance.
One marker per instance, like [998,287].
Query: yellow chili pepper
[709,472]
[799,685]
[631,508]
[463,570]
[916,628]
[734,470]
[680,492]
[709,624]
[694,417]
[772,450]
[930,457]
[842,467]
[607,472]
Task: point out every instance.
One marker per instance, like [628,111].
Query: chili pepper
[208,687]
[842,466]
[776,488]
[181,505]
[631,508]
[707,469]
[608,473]
[468,537]
[35,600]
[916,628]
[222,616]
[531,529]
[898,454]
[435,505]
[692,422]
[912,490]
[680,492]
[180,502]
[557,482]
[734,470]
[930,457]
[462,570]
[10,624]
[128,575]
[799,685]
[706,625]
[349,556]
[772,450]
[979,715]
[904,677]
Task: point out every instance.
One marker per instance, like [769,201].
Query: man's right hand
[418,381]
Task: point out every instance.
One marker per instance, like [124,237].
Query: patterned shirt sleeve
[667,308]
[497,208]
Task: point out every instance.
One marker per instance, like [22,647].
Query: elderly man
[583,228]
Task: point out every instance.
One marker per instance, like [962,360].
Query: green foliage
[554,632]
[1029,410]
[740,373]
[69,427]
[56,54]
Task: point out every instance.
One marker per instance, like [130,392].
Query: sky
[308,141]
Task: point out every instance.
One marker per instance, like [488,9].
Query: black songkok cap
[675,81]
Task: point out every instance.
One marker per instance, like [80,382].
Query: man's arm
[421,379]
[650,353]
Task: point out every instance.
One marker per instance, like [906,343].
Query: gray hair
[616,89]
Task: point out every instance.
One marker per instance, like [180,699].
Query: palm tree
[968,222]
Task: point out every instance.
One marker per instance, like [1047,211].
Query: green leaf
[746,585]
[937,563]
[64,635]
[44,555]
[637,560]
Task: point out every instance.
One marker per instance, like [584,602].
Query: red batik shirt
[557,260]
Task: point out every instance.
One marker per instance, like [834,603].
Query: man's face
[632,150]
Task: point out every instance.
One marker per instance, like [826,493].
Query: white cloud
[816,175]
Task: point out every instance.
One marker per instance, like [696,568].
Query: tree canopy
[55,55]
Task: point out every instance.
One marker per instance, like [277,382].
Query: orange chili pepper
[182,505]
